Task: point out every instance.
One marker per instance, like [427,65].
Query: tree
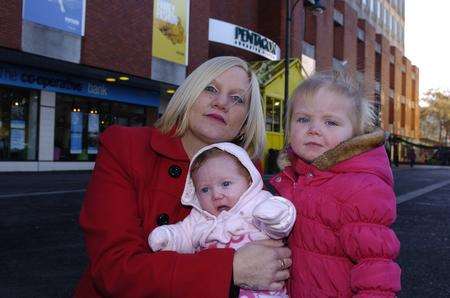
[435,115]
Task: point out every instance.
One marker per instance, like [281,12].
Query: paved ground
[42,253]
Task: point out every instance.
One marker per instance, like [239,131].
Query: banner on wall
[170,30]
[66,15]
[76,132]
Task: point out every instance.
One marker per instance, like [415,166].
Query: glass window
[18,124]
[79,121]
[273,114]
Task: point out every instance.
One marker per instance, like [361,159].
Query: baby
[230,208]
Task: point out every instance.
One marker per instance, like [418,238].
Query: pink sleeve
[369,242]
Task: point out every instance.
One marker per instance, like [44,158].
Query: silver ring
[282,264]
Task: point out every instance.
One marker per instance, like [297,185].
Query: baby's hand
[275,216]
[158,239]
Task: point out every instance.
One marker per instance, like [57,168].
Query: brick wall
[198,33]
[324,39]
[350,35]
[119,36]
[385,56]
[11,24]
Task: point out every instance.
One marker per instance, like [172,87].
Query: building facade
[69,69]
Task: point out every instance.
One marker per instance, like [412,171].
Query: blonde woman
[137,183]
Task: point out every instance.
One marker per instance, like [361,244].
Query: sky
[427,41]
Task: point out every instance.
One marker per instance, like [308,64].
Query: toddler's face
[219,183]
[320,125]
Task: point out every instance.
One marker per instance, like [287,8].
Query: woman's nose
[220,101]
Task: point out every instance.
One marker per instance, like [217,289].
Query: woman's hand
[262,265]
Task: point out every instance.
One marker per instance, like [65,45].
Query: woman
[137,184]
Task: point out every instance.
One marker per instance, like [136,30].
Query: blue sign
[66,15]
[76,131]
[43,80]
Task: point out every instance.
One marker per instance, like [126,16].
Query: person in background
[337,174]
[139,176]
[411,156]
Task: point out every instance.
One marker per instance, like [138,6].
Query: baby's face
[219,183]
[320,125]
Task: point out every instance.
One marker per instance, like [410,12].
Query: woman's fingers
[270,242]
[257,265]
[282,275]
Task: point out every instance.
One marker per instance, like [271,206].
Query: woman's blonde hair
[252,137]
[362,116]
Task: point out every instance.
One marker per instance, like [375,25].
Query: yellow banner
[170,30]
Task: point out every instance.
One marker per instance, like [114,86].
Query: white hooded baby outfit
[257,215]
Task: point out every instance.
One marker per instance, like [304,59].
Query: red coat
[341,244]
[138,180]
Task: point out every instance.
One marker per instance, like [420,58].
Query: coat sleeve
[121,263]
[275,216]
[176,237]
[369,242]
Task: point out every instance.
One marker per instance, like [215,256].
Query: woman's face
[220,110]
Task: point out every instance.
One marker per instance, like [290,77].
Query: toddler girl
[230,208]
[337,175]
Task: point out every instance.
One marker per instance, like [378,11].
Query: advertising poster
[170,30]
[76,132]
[17,139]
[66,15]
[93,130]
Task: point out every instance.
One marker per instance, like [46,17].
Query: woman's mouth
[216,117]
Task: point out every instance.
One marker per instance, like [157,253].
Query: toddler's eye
[211,88]
[303,120]
[226,183]
[331,123]
[204,189]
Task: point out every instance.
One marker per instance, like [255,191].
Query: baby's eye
[226,183]
[211,88]
[204,189]
[331,123]
[237,99]
[303,119]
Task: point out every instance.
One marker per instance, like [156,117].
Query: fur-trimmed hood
[189,198]
[363,153]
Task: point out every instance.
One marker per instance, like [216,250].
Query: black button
[163,219]
[174,171]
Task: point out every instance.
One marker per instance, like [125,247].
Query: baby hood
[189,198]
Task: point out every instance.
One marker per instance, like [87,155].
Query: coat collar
[350,148]
[168,145]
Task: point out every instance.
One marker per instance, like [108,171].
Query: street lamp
[316,7]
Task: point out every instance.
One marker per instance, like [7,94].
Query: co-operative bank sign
[233,35]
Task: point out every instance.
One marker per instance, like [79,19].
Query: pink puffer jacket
[341,244]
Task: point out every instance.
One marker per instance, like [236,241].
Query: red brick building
[54,98]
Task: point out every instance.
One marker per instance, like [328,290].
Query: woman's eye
[303,119]
[211,88]
[226,183]
[331,123]
[204,189]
